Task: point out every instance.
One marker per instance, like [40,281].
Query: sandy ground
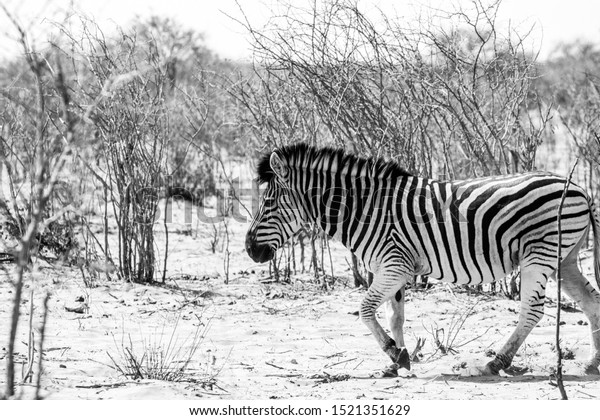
[263,340]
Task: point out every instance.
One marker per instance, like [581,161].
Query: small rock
[62,366]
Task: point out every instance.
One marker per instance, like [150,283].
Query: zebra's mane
[304,156]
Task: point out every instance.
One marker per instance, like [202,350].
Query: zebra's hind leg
[583,293]
[533,294]
[383,288]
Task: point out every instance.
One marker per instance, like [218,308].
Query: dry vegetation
[126,177]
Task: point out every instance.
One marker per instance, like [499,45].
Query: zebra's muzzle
[259,253]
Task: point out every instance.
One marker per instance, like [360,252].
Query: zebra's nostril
[258,252]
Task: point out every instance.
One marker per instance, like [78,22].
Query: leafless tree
[38,138]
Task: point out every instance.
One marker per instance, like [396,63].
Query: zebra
[399,225]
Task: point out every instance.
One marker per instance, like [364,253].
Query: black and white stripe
[467,232]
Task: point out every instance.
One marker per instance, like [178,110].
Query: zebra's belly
[476,273]
[479,274]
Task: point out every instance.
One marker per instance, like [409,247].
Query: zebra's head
[279,216]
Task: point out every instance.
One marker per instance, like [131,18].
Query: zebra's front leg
[394,312]
[382,289]
[533,295]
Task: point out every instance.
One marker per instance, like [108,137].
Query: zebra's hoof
[401,358]
[591,370]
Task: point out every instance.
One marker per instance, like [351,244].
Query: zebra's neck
[348,205]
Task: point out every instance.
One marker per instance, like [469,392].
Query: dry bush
[162,356]
[155,110]
[571,80]
[37,139]
[124,88]
[141,123]
[445,339]
[445,102]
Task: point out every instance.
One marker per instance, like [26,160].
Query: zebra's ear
[277,166]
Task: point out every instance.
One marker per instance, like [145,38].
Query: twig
[275,366]
[30,343]
[112,385]
[414,356]
[284,375]
[586,394]
[339,363]
[41,347]
[335,354]
[213,393]
[559,379]
[166,226]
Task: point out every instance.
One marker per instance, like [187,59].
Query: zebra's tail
[595,219]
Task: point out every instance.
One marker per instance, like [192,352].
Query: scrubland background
[127,160]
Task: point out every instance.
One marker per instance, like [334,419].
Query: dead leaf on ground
[80,309]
